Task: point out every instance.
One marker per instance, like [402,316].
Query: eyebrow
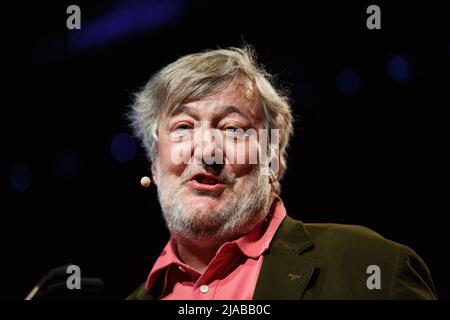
[227,109]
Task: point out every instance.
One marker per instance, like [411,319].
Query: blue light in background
[20,177]
[134,16]
[66,164]
[123,147]
[398,68]
[348,82]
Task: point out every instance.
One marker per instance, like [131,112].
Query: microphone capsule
[145,181]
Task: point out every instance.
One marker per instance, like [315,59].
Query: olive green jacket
[332,261]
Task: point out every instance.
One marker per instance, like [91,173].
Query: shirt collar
[257,241]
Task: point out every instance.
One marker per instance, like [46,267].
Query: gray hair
[201,75]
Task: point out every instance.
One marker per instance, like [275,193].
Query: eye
[183,126]
[233,128]
[180,131]
[236,133]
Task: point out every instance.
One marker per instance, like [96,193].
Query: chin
[202,203]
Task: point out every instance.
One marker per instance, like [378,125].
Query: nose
[208,145]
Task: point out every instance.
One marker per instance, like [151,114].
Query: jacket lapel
[287,269]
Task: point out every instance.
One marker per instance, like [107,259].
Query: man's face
[224,199]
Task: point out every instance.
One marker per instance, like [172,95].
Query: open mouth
[205,179]
[206,182]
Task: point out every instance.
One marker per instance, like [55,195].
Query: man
[201,119]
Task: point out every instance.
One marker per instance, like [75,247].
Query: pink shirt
[231,275]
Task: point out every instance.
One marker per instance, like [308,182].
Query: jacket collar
[288,265]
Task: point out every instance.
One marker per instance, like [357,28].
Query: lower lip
[218,187]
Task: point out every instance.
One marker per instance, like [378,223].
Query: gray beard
[235,218]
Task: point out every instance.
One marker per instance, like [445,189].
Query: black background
[379,158]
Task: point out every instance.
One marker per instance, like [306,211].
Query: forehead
[240,99]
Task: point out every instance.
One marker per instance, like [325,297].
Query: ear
[155,177]
[278,173]
[275,175]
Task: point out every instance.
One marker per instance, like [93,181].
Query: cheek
[243,155]
[166,151]
[242,170]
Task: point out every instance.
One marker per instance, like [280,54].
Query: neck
[196,254]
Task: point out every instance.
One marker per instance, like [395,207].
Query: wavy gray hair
[201,75]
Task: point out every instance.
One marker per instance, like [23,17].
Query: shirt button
[204,288]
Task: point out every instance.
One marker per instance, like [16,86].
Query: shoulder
[347,254]
[333,236]
[358,247]
[340,238]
